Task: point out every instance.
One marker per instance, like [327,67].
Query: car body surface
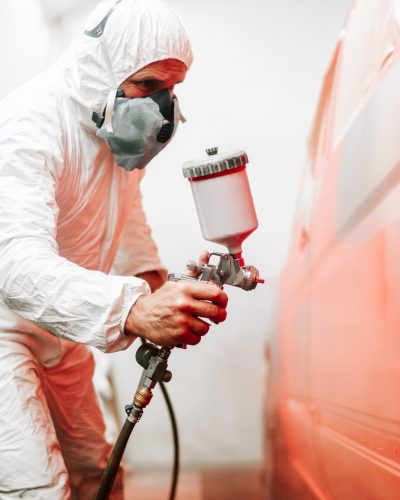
[333,402]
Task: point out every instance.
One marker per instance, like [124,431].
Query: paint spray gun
[227,216]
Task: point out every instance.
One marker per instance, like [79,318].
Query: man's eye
[147,84]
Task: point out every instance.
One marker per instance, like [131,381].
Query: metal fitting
[142,397]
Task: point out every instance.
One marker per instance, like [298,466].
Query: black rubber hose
[175,469]
[110,472]
[108,477]
[175,436]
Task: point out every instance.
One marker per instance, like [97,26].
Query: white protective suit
[65,209]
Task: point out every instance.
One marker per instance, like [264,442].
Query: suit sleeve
[80,305]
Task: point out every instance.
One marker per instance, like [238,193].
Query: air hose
[108,477]
[154,363]
[175,436]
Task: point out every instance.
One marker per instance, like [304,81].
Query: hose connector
[142,397]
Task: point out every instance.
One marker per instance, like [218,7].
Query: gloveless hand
[173,314]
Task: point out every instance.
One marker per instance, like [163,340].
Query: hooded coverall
[68,213]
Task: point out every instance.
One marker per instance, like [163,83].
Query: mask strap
[181,118]
[109,110]
[112,94]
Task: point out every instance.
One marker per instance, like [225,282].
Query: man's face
[154,77]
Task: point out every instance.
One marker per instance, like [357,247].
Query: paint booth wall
[253,86]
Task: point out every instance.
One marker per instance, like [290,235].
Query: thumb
[204,258]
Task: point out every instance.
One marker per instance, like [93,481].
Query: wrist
[133,324]
[155,279]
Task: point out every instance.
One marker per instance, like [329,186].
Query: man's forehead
[161,70]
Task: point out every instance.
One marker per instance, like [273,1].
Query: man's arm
[81,305]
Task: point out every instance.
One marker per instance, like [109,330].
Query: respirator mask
[136,129]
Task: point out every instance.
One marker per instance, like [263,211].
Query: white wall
[253,86]
[23,38]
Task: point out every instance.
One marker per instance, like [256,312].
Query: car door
[353,354]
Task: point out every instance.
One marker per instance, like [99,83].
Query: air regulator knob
[212,151]
[167,376]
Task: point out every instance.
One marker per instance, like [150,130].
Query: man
[73,143]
